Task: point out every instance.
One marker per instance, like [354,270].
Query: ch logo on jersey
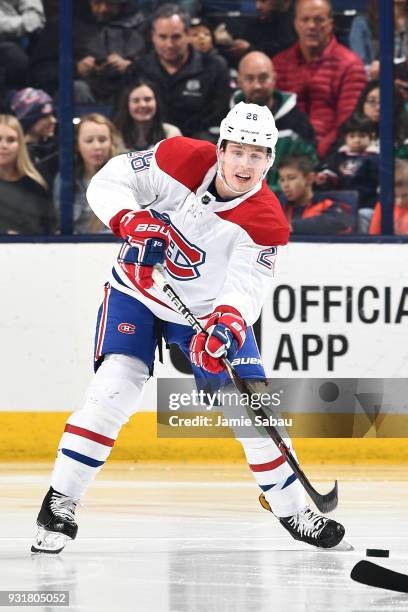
[183,258]
[126,328]
[267,257]
[140,161]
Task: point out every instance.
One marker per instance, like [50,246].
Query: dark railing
[65,115]
[387,116]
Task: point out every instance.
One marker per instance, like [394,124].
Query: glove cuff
[231,318]
[225,309]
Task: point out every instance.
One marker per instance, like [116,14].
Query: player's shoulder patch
[186,160]
[262,217]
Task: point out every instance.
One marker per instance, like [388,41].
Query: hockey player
[206,213]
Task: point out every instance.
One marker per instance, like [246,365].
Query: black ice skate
[56,523]
[309,527]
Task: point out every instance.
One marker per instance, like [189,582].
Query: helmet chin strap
[220,174]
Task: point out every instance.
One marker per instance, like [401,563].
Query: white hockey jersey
[220,253]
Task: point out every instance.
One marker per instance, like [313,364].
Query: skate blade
[342,546]
[49,542]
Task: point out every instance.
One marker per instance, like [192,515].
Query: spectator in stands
[306,212]
[326,76]
[35,110]
[17,20]
[364,35]
[105,45]
[96,141]
[25,206]
[368,105]
[271,32]
[355,165]
[361,34]
[139,117]
[201,37]
[193,86]
[257,81]
[44,56]
[401,202]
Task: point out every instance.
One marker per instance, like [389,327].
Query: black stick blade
[327,502]
[375,575]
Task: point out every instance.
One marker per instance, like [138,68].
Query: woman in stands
[368,105]
[25,205]
[96,142]
[139,117]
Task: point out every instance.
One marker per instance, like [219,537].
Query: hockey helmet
[250,124]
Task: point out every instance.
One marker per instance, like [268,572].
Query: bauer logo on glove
[147,235]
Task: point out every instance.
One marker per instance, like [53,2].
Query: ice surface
[193,538]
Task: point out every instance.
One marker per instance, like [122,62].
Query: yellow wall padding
[34,436]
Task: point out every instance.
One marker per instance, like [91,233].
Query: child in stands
[305,210]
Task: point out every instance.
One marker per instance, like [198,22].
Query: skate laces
[63,506]
[307,522]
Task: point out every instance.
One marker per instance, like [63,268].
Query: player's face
[94,144]
[243,165]
[313,24]
[257,80]
[293,184]
[200,38]
[44,128]
[142,104]
[371,106]
[9,146]
[357,141]
[170,39]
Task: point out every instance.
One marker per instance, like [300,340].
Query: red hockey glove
[226,333]
[147,231]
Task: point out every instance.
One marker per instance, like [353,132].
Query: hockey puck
[377,552]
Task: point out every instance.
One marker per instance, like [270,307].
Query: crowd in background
[146,70]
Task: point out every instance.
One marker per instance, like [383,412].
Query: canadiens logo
[182,257]
[126,328]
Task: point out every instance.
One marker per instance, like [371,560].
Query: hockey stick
[379,576]
[326,502]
